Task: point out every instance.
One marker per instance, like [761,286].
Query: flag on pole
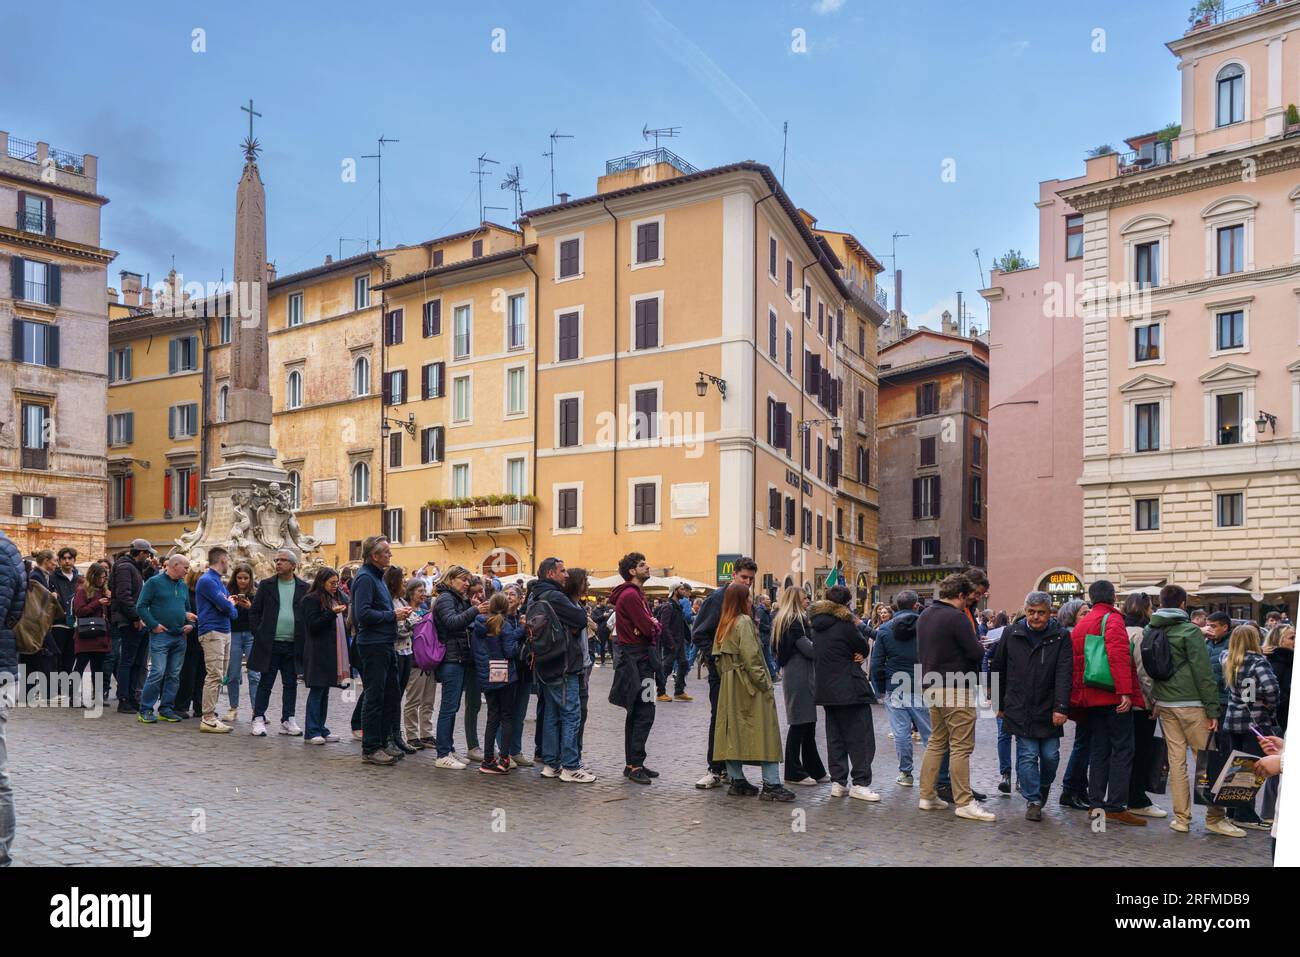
[833,578]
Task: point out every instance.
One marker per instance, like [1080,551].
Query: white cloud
[823,7]
[1019,47]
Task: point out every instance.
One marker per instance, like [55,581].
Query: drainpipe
[613,498]
[803,392]
[537,288]
[754,411]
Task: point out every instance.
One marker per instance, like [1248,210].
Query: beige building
[53,273]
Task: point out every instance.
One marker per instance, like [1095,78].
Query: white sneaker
[475,755]
[579,776]
[316,740]
[449,762]
[863,793]
[213,726]
[891,734]
[290,728]
[808,782]
[511,763]
[232,715]
[1151,811]
[709,780]
[932,804]
[1225,828]
[904,780]
[520,761]
[973,812]
[549,772]
[259,728]
[331,738]
[838,790]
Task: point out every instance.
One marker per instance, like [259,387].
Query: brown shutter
[18,506]
[22,211]
[916,498]
[937,511]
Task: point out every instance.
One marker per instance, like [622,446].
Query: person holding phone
[1253,694]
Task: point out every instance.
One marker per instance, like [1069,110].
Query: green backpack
[1096,665]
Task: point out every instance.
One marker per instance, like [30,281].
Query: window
[186,482]
[570,258]
[1230,509]
[393,327]
[460,480]
[646,413]
[35,214]
[821,318]
[36,343]
[789,516]
[393,524]
[1230,330]
[646,328]
[183,354]
[1232,247]
[1146,264]
[515,472]
[567,422]
[121,428]
[976,498]
[771,256]
[929,451]
[1146,343]
[437,258]
[789,278]
[361,484]
[476,248]
[1146,514]
[431,320]
[925,497]
[862,404]
[819,456]
[566,508]
[864,465]
[395,448]
[432,447]
[839,522]
[807,302]
[361,376]
[774,508]
[461,320]
[361,293]
[183,420]
[1147,427]
[927,398]
[805,526]
[293,390]
[223,403]
[36,436]
[432,378]
[515,382]
[295,488]
[32,506]
[976,452]
[567,337]
[861,528]
[1230,95]
[223,330]
[517,322]
[975,552]
[395,394]
[1228,418]
[789,351]
[119,365]
[295,309]
[818,523]
[644,504]
[1074,236]
[461,397]
[120,497]
[925,551]
[36,281]
[647,242]
[771,334]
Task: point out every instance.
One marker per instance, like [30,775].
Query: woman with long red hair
[746,730]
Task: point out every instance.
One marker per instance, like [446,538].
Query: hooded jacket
[1118,654]
[125,584]
[454,616]
[1192,684]
[894,658]
[839,679]
[632,619]
[672,621]
[1030,678]
[706,620]
[571,615]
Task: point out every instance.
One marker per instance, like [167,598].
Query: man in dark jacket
[950,663]
[559,683]
[63,582]
[763,621]
[894,672]
[278,636]
[13,596]
[1030,686]
[376,619]
[672,649]
[130,639]
[843,691]
[702,632]
[637,633]
[454,615]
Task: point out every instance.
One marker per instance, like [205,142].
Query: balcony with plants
[481,513]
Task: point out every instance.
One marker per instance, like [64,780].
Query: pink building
[1036,412]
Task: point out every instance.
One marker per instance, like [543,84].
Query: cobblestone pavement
[112,791]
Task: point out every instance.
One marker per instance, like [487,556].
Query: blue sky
[883,95]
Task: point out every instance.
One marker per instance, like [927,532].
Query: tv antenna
[379,243]
[514,183]
[346,239]
[785,141]
[667,132]
[555,135]
[482,171]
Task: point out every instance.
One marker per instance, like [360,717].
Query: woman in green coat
[746,729]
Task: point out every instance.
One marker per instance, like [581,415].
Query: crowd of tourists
[168,643]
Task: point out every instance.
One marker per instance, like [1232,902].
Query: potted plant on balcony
[1202,14]
[1292,119]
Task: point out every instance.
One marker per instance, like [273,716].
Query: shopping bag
[1209,765]
[1096,664]
[1158,768]
[1236,784]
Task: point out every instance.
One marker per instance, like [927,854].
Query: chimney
[130,287]
[328,259]
[946,325]
[112,294]
[898,290]
[270,272]
[564,197]
[146,297]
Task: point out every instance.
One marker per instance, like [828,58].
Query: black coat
[674,632]
[454,617]
[263,615]
[1029,683]
[840,679]
[320,642]
[125,582]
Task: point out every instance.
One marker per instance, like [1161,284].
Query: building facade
[53,276]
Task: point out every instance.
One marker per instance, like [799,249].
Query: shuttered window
[647,324]
[568,336]
[568,420]
[567,508]
[647,242]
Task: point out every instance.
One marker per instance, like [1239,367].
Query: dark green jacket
[1192,684]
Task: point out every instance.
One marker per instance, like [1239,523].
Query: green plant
[1203,10]
[1010,261]
[1170,133]
[1292,115]
[1105,149]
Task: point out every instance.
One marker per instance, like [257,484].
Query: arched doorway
[498,563]
[1063,584]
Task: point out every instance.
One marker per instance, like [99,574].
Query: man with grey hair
[1029,680]
[164,607]
[278,637]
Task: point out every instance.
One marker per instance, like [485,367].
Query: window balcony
[492,515]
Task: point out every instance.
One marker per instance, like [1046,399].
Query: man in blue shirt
[217,609]
[164,607]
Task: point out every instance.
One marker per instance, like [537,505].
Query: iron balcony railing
[35,221]
[26,151]
[1225,14]
[1153,154]
[22,149]
[480,518]
[648,158]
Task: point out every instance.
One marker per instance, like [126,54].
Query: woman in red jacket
[93,642]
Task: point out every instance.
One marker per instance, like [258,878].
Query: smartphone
[1258,733]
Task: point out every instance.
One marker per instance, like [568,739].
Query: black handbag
[93,627]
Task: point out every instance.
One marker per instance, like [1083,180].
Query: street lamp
[408,424]
[1263,419]
[702,385]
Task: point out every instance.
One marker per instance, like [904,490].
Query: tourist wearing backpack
[558,663]
[636,631]
[1186,702]
[453,616]
[13,596]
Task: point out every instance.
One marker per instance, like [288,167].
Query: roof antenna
[667,132]
[513,183]
[380,156]
[555,135]
[785,141]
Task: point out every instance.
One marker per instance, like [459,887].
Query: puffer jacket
[453,617]
[125,584]
[839,680]
[894,658]
[500,646]
[1118,655]
[13,596]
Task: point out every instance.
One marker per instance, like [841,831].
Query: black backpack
[546,641]
[1157,656]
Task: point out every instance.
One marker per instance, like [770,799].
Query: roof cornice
[61,247]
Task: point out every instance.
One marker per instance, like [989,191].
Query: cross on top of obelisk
[251,146]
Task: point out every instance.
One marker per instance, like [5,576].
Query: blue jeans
[1004,751]
[771,772]
[561,718]
[1076,769]
[318,703]
[901,718]
[523,689]
[1036,763]
[451,675]
[166,655]
[241,645]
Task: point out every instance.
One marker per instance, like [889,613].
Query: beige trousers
[1184,728]
[216,659]
[952,729]
[417,707]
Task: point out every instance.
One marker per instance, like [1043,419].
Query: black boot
[402,746]
[1005,784]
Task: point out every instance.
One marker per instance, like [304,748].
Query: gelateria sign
[1062,583]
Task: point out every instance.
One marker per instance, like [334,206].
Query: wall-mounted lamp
[702,385]
[408,424]
[1264,419]
[836,430]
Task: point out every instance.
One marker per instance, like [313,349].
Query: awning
[606,583]
[1145,586]
[1222,588]
[519,578]
[1292,589]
